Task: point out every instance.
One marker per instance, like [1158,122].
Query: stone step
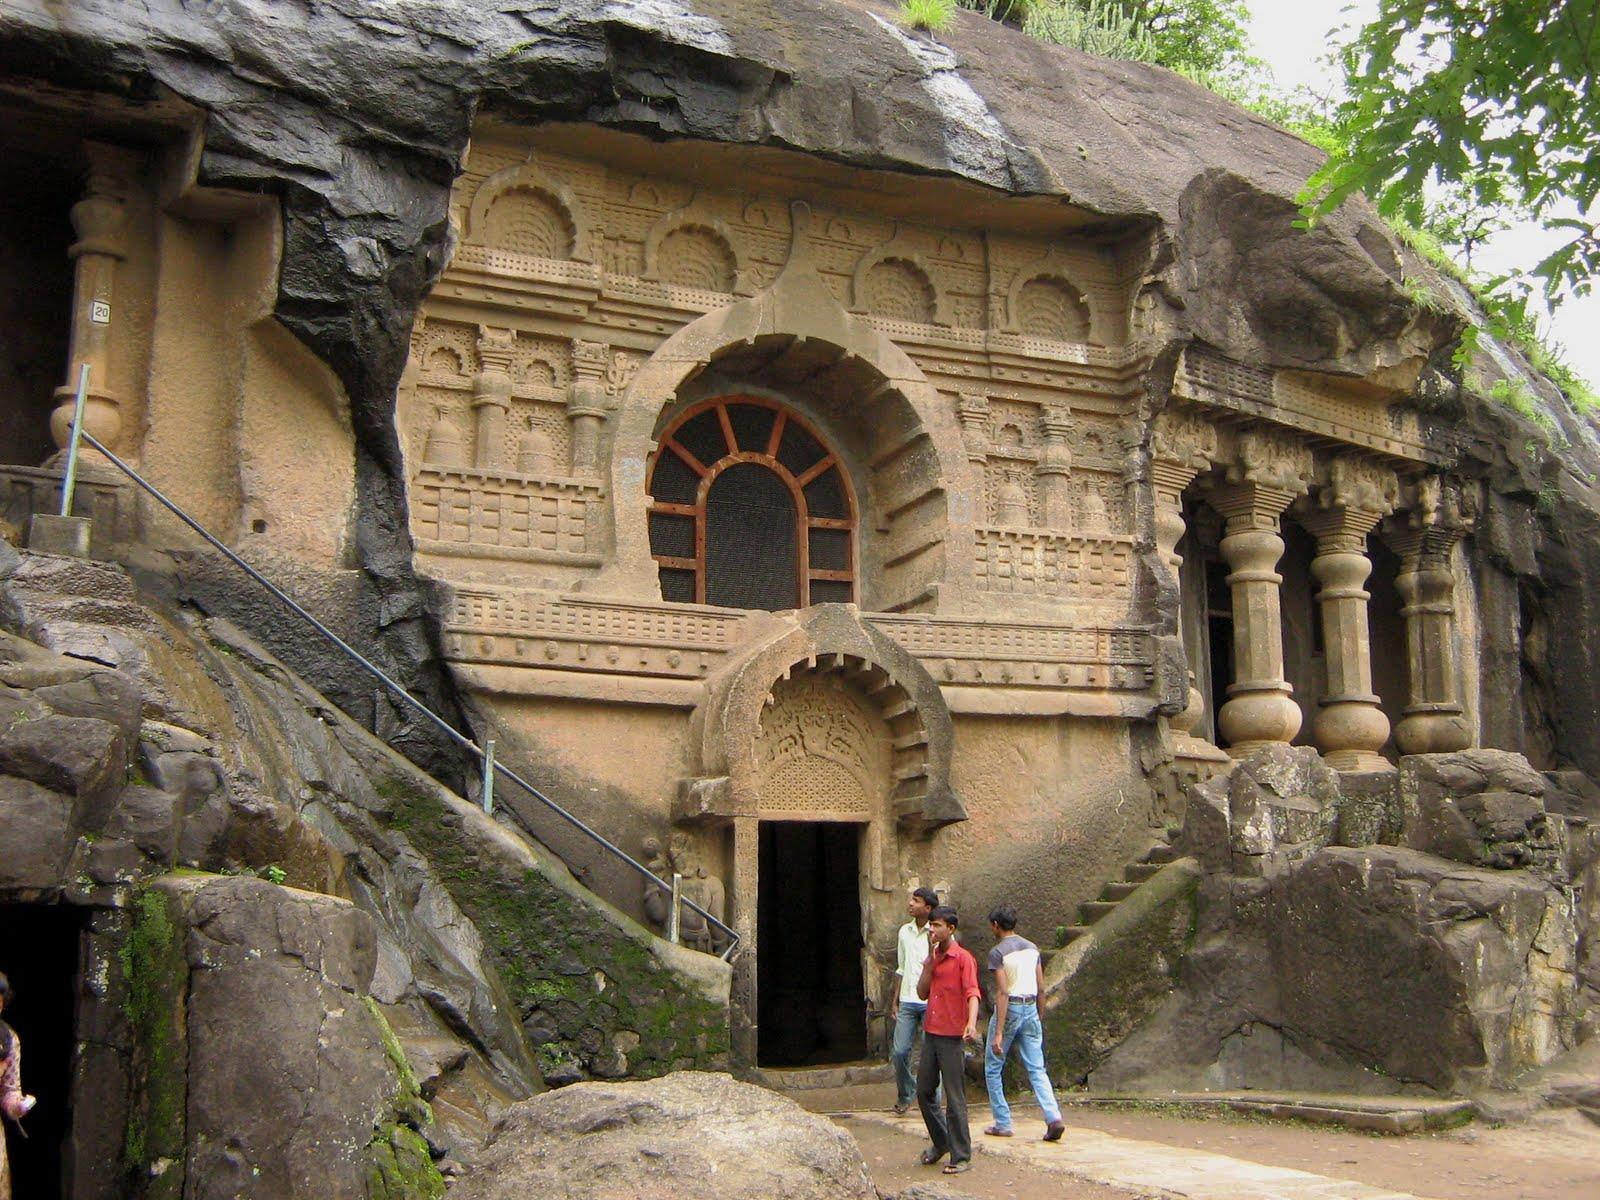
[1369,1114]
[1067,934]
[1118,891]
[1160,853]
[1139,872]
[1091,911]
[839,1075]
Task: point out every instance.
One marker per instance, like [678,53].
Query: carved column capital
[972,410]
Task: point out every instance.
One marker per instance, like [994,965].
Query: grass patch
[933,16]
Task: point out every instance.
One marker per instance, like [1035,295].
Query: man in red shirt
[949,983]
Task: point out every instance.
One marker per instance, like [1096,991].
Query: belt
[1022,999]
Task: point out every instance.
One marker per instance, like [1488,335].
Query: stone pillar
[1182,444]
[1272,470]
[1434,721]
[491,397]
[1054,472]
[1350,726]
[746,882]
[98,220]
[586,405]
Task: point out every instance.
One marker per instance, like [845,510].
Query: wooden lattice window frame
[766,455]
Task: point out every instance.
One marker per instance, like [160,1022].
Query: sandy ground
[1555,1156]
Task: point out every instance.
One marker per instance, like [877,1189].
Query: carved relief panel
[823,752]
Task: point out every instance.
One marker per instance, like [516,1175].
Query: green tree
[1201,37]
[1493,99]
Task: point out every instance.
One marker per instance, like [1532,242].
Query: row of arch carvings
[515,211]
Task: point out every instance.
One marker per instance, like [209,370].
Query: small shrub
[932,15]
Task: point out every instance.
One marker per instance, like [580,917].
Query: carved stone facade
[1046,569]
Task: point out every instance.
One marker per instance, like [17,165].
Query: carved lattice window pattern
[524,221]
[750,508]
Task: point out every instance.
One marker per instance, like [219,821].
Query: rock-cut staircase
[1134,876]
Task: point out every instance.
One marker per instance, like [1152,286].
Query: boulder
[1273,809]
[38,836]
[1424,969]
[684,1136]
[280,1077]
[1482,807]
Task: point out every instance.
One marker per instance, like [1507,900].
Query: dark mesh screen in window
[671,536]
[832,591]
[750,548]
[673,481]
[797,449]
[702,437]
[677,585]
[752,425]
[824,496]
[830,549]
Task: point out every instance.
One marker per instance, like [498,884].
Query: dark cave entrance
[40,952]
[810,1006]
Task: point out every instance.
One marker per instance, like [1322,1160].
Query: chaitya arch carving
[1043,301]
[691,250]
[824,687]
[894,423]
[546,213]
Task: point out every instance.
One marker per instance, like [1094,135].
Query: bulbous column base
[1433,732]
[1350,730]
[1258,715]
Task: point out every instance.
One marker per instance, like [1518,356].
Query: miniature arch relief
[691,248]
[893,281]
[520,210]
[1043,301]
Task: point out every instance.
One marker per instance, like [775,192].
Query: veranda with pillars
[1256,477]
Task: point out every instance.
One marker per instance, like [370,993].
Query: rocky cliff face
[306,960]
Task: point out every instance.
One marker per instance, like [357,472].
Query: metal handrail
[486,757]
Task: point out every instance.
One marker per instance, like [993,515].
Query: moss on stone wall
[1123,974]
[399,1164]
[156,980]
[593,997]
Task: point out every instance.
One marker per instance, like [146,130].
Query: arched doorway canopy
[751,508]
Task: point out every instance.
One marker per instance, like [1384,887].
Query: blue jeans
[907,1033]
[1025,1033]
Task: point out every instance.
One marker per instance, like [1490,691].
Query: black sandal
[931,1156]
[956,1168]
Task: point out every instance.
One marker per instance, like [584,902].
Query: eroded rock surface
[684,1136]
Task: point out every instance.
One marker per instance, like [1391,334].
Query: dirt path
[1553,1157]
[892,1158]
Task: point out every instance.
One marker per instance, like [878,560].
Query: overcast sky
[1293,36]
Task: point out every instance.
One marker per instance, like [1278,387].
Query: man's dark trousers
[942,1060]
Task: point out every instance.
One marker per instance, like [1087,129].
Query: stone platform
[1369,1114]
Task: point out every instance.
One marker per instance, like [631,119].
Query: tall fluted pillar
[1272,470]
[1434,721]
[586,405]
[1350,726]
[98,220]
[491,397]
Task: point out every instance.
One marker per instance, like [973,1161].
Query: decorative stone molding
[693,248]
[497,514]
[1034,562]
[553,632]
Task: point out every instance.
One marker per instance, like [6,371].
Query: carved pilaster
[586,404]
[972,410]
[1424,538]
[99,220]
[1350,727]
[1182,444]
[1272,470]
[491,396]
[1054,472]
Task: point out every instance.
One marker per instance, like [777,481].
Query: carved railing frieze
[503,627]
[495,514]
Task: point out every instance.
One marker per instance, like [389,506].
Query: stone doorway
[39,952]
[810,996]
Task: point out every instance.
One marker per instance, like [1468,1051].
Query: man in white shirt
[907,1008]
[1018,982]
